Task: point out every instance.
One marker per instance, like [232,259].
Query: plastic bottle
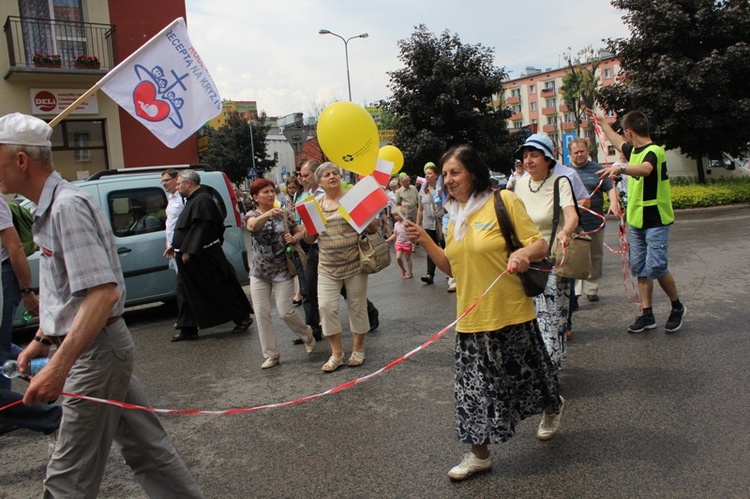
[26,317]
[10,368]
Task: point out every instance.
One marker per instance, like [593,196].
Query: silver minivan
[133,194]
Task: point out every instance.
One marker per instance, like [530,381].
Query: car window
[137,211]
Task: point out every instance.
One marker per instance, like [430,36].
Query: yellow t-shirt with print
[479,258]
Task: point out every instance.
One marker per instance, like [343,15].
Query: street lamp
[346,52]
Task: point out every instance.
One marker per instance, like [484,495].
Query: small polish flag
[311,216]
[362,203]
[420,182]
[382,173]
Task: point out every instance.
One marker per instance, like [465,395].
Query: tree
[685,66]
[443,97]
[580,86]
[230,148]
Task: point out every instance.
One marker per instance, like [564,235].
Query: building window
[80,148]
[552,120]
[516,92]
[549,85]
[137,211]
[553,138]
[570,118]
[532,89]
[81,152]
[68,39]
[533,106]
[551,102]
[517,124]
[608,73]
[516,109]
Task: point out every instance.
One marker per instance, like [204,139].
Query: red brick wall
[137,21]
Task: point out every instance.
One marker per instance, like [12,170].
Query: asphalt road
[648,415]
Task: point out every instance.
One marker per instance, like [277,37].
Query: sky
[270,51]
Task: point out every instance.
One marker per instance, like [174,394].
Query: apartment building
[536,101]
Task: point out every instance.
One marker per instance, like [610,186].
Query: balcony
[549,110]
[513,100]
[563,108]
[26,37]
[568,126]
[549,128]
[546,92]
[515,117]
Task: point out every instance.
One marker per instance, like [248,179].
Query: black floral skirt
[502,377]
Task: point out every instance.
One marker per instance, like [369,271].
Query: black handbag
[534,280]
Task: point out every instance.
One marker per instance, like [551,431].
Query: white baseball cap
[24,130]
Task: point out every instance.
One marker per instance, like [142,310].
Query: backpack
[23,220]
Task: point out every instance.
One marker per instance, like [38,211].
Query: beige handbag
[574,261]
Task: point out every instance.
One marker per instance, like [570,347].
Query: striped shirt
[339,248]
[78,252]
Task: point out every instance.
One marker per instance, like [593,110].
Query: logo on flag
[165,86]
[362,203]
[311,216]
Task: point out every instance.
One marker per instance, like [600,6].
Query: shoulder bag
[438,219]
[291,266]
[374,253]
[534,280]
[574,261]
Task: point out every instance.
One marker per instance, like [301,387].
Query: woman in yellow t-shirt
[503,371]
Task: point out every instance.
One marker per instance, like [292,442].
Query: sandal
[241,327]
[333,364]
[357,359]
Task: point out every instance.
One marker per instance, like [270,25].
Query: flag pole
[57,119]
[65,112]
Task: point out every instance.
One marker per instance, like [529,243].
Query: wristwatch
[622,168]
[25,291]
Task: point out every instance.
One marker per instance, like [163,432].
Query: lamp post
[346,52]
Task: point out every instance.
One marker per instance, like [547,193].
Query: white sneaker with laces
[470,464]
[550,423]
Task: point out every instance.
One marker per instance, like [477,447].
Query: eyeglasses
[167,180]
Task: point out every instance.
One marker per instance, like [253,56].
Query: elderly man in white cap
[82,296]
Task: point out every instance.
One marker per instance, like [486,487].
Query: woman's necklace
[327,203]
[534,191]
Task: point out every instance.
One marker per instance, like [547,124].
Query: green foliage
[230,148]
[715,193]
[685,66]
[580,90]
[443,97]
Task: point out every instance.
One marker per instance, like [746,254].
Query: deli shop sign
[56,100]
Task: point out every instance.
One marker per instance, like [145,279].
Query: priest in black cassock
[208,292]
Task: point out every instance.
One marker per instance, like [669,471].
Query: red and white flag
[362,203]
[382,173]
[311,216]
[420,182]
[165,86]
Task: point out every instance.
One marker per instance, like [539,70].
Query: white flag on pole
[165,86]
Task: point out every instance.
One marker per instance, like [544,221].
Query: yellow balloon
[394,155]
[349,137]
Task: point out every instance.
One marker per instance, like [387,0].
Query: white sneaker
[550,423]
[470,464]
[271,362]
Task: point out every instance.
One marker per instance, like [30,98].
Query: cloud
[271,52]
